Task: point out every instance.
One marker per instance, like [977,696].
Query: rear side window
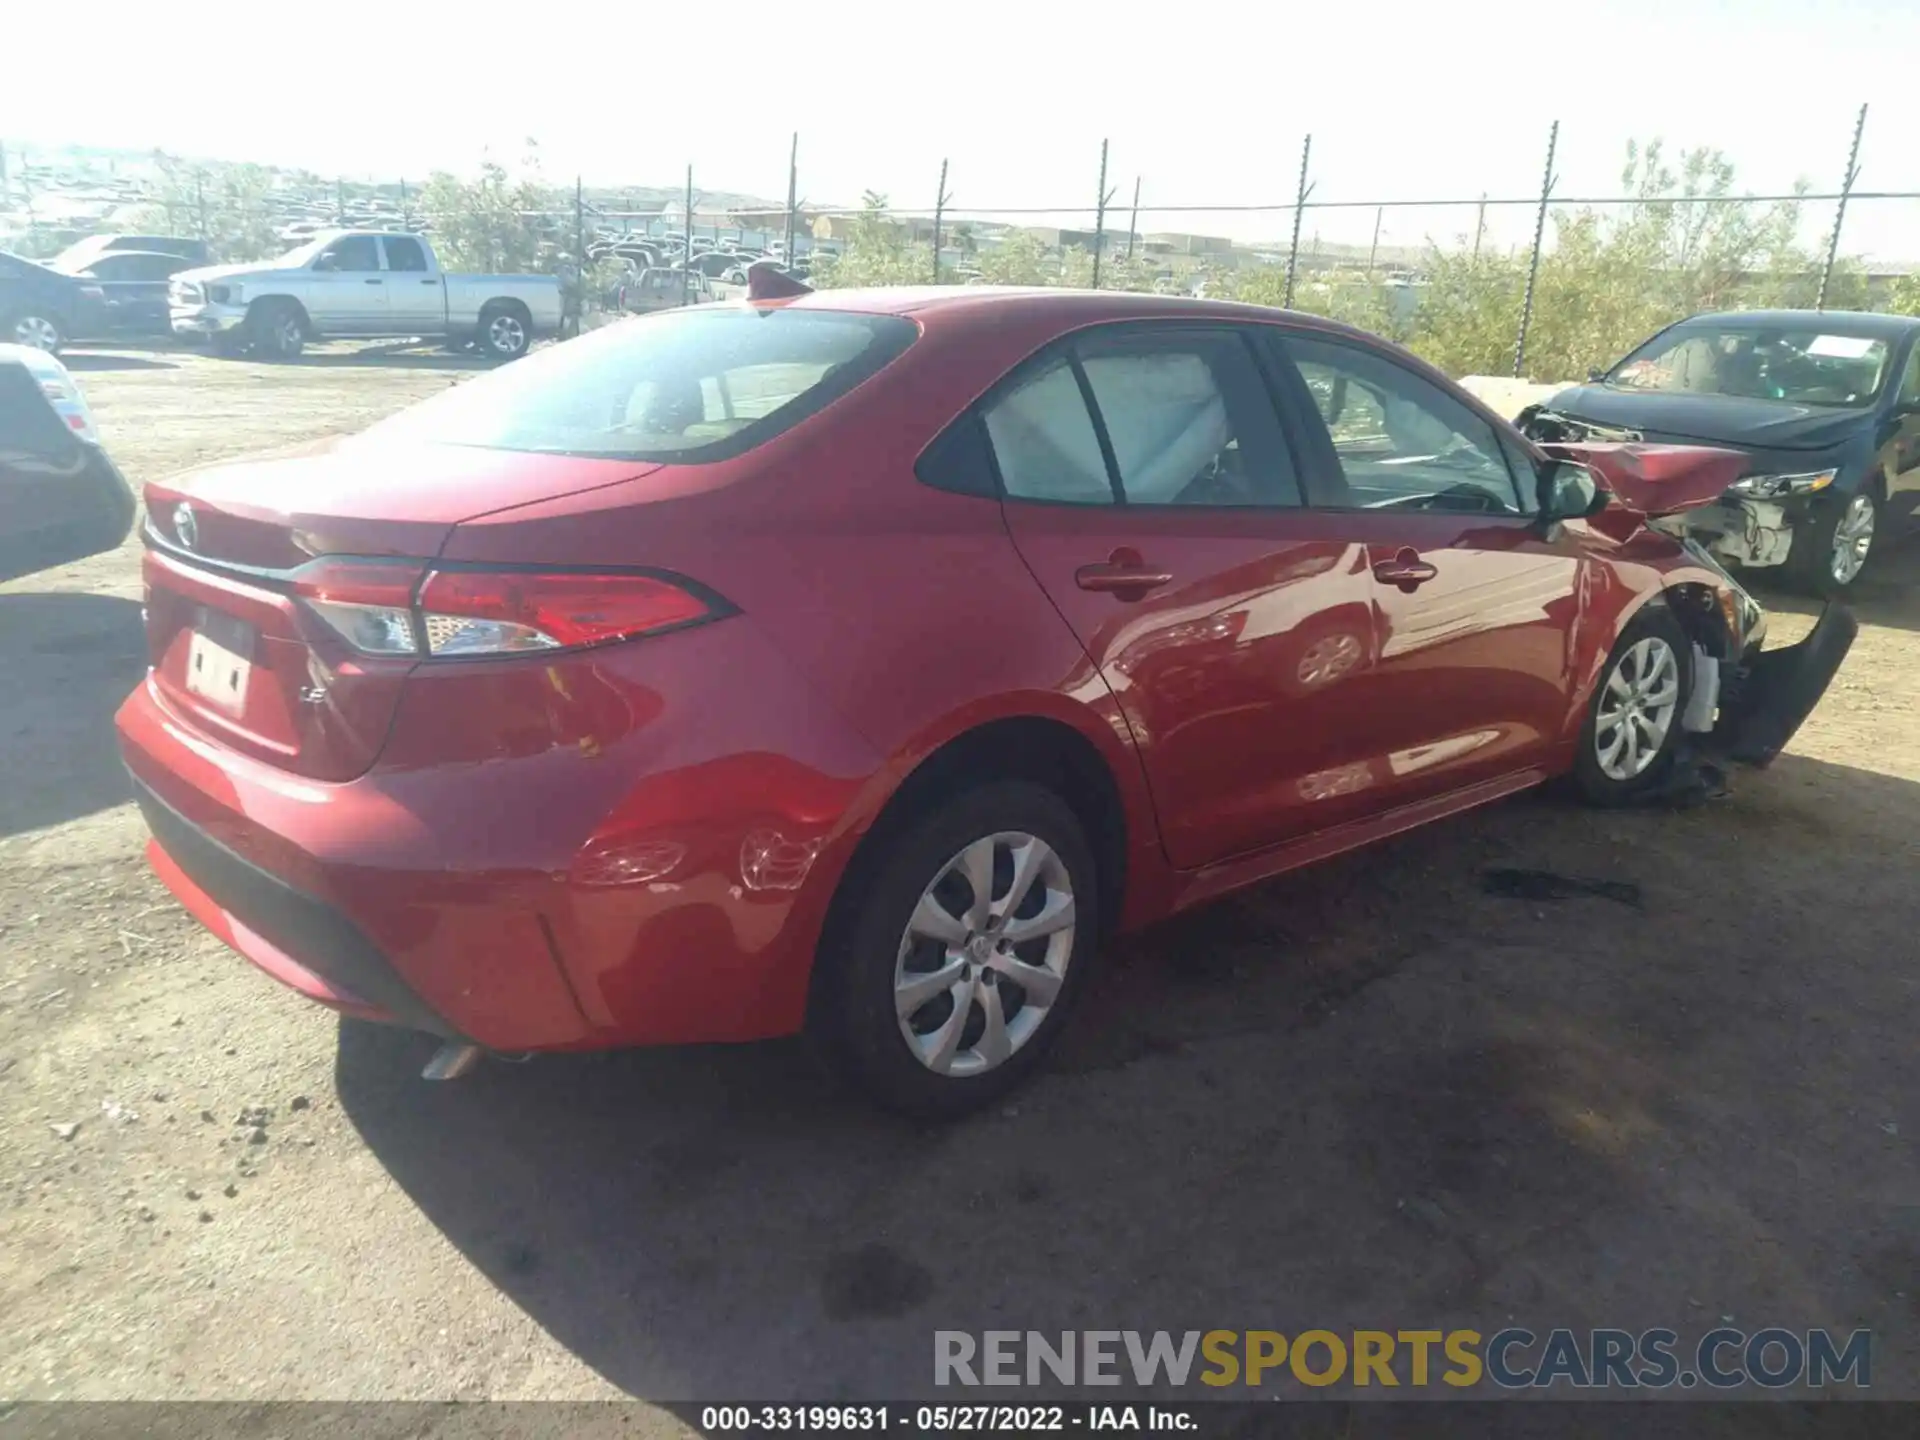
[404,254]
[1189,419]
[1044,440]
[684,386]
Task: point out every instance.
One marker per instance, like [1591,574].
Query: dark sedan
[61,498]
[134,283]
[43,308]
[1826,405]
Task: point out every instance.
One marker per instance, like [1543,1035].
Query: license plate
[220,659]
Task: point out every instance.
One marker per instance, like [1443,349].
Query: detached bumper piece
[1778,689]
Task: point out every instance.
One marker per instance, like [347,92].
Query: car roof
[1867,324]
[936,305]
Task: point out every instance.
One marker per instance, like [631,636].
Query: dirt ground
[1368,1094]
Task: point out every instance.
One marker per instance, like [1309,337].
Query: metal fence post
[1133,224]
[1840,213]
[200,199]
[686,252]
[579,252]
[1100,217]
[1533,266]
[939,214]
[1373,253]
[1299,209]
[406,213]
[793,191]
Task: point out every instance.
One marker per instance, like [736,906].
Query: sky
[1206,105]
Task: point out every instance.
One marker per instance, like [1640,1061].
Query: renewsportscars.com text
[1514,1358]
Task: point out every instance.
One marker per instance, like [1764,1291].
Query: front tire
[966,947]
[504,331]
[1831,550]
[1632,733]
[277,330]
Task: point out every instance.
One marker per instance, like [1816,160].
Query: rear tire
[918,939]
[1833,548]
[34,329]
[1632,733]
[505,330]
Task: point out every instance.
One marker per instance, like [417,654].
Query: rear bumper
[546,857]
[270,922]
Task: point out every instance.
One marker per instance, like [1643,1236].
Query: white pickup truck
[360,284]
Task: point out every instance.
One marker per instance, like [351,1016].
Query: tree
[875,252]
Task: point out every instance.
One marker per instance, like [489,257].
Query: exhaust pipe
[452,1060]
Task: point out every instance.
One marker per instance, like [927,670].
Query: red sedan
[856,661]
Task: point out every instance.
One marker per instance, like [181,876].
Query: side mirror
[1594,377]
[1568,492]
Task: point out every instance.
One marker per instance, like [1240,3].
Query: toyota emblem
[186,529]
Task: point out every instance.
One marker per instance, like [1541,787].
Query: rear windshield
[685,385]
[1800,364]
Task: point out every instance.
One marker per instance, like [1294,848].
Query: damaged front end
[1753,533]
[1747,701]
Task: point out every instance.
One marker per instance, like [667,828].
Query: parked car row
[104,288]
[677,752]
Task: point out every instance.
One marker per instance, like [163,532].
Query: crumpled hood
[1717,419]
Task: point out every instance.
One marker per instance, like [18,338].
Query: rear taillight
[368,604]
[382,608]
[468,612]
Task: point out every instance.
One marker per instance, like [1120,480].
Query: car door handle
[1406,570]
[374,280]
[1123,574]
[429,282]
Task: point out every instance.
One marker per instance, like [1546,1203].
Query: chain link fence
[1546,284]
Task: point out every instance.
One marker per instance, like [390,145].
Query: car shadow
[1887,592]
[70,659]
[85,361]
[399,357]
[1366,1093]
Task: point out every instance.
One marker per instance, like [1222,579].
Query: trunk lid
[232,549]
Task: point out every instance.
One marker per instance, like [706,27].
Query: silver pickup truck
[360,284]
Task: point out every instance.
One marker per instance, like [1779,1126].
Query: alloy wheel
[36,332]
[985,953]
[1852,539]
[1637,705]
[506,335]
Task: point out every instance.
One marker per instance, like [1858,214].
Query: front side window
[1801,364]
[355,252]
[1401,441]
[1910,384]
[679,386]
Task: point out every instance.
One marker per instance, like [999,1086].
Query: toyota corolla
[855,662]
